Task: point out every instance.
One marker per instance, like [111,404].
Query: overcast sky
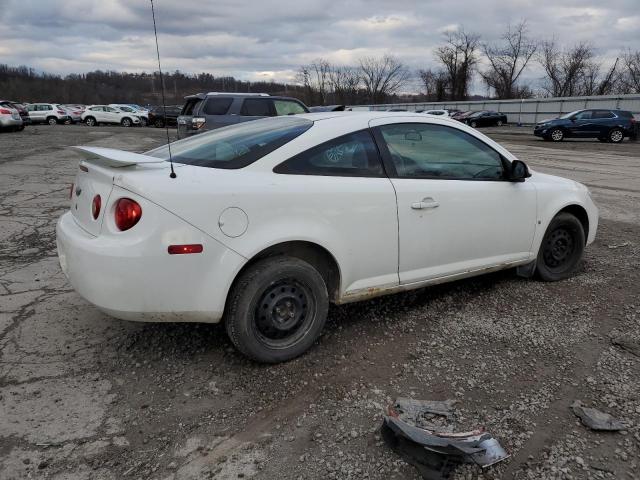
[264,39]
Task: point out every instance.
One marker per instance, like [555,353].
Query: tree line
[567,71]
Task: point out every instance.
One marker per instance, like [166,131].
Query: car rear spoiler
[110,157]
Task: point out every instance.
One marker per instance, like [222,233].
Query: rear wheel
[159,123]
[52,121]
[126,122]
[557,135]
[277,309]
[143,122]
[561,249]
[616,135]
[473,124]
[499,123]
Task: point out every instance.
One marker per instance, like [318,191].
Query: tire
[254,317]
[473,124]
[143,122]
[90,121]
[561,249]
[126,122]
[499,123]
[615,135]
[52,120]
[557,135]
[159,123]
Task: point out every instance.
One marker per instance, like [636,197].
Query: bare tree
[382,77]
[508,60]
[435,83]
[315,80]
[565,69]
[630,77]
[345,82]
[458,58]
[592,83]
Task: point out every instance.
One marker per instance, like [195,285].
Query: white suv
[50,113]
[95,114]
[143,115]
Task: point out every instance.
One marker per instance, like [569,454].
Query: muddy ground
[84,396]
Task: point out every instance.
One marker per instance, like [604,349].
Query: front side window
[422,150]
[352,155]
[257,107]
[217,106]
[287,107]
[235,146]
[585,115]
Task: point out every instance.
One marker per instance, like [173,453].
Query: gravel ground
[85,396]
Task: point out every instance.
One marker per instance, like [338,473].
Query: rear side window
[602,114]
[586,115]
[235,146]
[352,155]
[624,114]
[190,106]
[287,107]
[257,107]
[217,106]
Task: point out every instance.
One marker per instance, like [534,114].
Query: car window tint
[624,114]
[217,106]
[436,151]
[235,146]
[109,109]
[352,155]
[603,114]
[256,107]
[287,107]
[190,106]
[96,109]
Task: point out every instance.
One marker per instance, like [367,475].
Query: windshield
[235,146]
[571,114]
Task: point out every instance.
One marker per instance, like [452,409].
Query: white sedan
[265,223]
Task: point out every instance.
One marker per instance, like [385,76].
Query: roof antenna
[164,104]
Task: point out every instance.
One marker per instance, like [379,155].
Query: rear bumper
[10,122]
[134,278]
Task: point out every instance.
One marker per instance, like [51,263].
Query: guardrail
[525,111]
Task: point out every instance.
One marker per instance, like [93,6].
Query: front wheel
[499,123]
[557,135]
[52,121]
[561,249]
[616,135]
[277,309]
[143,122]
[90,121]
[473,124]
[159,123]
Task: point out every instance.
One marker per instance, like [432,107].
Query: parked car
[159,117]
[208,111]
[606,125]
[74,113]
[10,118]
[96,114]
[486,118]
[22,111]
[143,115]
[437,112]
[461,116]
[265,223]
[50,113]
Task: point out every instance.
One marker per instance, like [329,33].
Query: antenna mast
[164,104]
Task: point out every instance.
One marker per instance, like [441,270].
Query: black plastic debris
[436,451]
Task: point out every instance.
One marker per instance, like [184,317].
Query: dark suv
[603,124]
[208,111]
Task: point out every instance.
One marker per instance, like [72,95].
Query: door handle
[425,203]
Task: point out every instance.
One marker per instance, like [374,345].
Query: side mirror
[519,171]
[413,136]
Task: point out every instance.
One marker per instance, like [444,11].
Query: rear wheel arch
[312,253]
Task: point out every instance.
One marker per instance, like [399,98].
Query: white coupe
[266,222]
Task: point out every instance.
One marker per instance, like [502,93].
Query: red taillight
[5,111]
[127,214]
[61,112]
[71,191]
[95,206]
[183,249]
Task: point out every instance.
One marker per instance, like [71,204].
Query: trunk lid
[95,176]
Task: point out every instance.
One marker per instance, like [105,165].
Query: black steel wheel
[276,309]
[561,249]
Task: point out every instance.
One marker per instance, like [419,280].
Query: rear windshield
[235,146]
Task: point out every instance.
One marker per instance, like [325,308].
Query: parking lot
[86,396]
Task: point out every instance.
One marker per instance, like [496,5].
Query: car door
[602,122]
[582,125]
[456,212]
[111,115]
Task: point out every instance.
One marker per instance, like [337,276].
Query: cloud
[269,39]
